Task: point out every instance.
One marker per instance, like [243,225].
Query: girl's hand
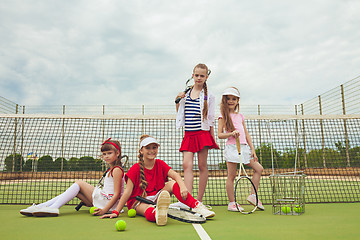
[235,133]
[180,95]
[253,155]
[184,193]
[99,212]
[111,215]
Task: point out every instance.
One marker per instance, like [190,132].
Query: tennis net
[42,155]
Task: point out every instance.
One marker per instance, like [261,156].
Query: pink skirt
[196,141]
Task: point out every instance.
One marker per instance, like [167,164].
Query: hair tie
[111,143]
[205,98]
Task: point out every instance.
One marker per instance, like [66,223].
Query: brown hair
[205,108]
[143,182]
[225,112]
[109,147]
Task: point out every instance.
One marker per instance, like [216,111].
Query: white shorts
[100,199]
[152,198]
[231,154]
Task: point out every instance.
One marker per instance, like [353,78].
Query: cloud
[142,52]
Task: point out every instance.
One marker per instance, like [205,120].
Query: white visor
[231,91]
[148,141]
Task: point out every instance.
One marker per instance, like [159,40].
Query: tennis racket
[188,86]
[100,182]
[177,213]
[244,187]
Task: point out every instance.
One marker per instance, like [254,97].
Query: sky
[116,52]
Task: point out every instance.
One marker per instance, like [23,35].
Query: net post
[345,126]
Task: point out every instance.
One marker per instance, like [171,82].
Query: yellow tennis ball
[285,209]
[92,210]
[298,209]
[120,225]
[132,213]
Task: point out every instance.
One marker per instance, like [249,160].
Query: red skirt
[196,141]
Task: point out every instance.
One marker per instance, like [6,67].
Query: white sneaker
[162,207]
[29,211]
[201,209]
[232,207]
[46,212]
[180,205]
[252,200]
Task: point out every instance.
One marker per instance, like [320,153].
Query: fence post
[22,140]
[322,134]
[14,150]
[345,126]
[62,141]
[260,135]
[304,138]
[297,141]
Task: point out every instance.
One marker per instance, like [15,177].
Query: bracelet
[116,212]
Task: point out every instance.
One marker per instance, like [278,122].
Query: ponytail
[143,182]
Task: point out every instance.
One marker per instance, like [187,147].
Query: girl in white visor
[232,126]
[149,178]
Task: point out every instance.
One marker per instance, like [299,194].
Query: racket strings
[181,214]
[244,190]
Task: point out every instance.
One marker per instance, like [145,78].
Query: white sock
[48,203]
[66,196]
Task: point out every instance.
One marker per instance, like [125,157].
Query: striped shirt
[192,114]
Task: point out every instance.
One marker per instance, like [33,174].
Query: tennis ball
[120,225]
[92,210]
[132,213]
[285,209]
[298,209]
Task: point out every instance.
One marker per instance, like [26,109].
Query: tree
[45,163]
[57,164]
[9,160]
[73,164]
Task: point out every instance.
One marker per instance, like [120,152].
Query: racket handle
[238,145]
[177,100]
[144,200]
[79,206]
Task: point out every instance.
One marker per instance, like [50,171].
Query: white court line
[201,232]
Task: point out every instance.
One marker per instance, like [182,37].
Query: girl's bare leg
[188,158]
[231,174]
[203,172]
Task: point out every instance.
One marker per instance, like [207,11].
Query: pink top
[237,119]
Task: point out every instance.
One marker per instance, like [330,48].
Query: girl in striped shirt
[195,112]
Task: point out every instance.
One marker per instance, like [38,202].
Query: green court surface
[320,221]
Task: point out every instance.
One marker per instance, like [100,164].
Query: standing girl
[232,126]
[149,178]
[104,200]
[196,112]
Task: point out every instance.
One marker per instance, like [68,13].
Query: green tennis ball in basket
[285,209]
[298,209]
[92,210]
[120,225]
[132,213]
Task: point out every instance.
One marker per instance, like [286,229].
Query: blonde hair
[109,147]
[205,108]
[225,112]
[143,182]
